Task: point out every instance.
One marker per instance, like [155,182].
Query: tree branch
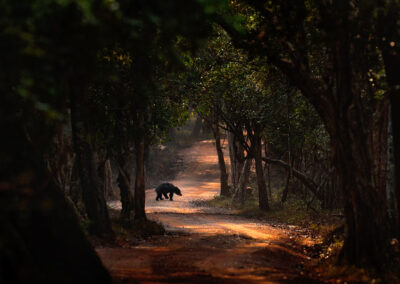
[307,181]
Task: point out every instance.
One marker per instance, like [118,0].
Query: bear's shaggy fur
[164,189]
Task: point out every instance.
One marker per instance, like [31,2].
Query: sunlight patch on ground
[244,229]
[216,224]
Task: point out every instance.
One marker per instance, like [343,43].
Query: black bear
[165,188]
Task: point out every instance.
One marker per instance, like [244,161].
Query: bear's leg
[170,196]
[165,195]
[159,196]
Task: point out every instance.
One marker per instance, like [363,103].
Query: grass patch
[293,212]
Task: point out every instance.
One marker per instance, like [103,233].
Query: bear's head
[177,191]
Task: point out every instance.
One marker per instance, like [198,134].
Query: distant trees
[248,99]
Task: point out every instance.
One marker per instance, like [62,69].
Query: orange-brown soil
[208,244]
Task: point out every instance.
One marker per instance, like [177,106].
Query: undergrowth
[128,233]
[292,212]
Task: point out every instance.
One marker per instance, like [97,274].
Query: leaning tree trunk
[302,177]
[261,184]
[124,183]
[221,162]
[140,195]
[92,193]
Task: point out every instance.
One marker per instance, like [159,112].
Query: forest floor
[212,245]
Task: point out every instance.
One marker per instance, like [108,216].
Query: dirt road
[205,244]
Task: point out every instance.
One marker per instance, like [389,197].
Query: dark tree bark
[221,162]
[367,224]
[395,113]
[392,64]
[41,239]
[92,191]
[140,191]
[108,180]
[289,152]
[243,181]
[261,184]
[105,174]
[61,157]
[124,183]
[367,233]
[387,35]
[236,155]
[267,170]
[44,244]
[286,190]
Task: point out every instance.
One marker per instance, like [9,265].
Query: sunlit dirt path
[206,244]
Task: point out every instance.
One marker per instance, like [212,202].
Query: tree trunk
[286,190]
[379,133]
[391,58]
[61,157]
[289,174]
[124,183]
[45,244]
[41,239]
[367,231]
[267,170]
[105,174]
[108,180]
[261,184]
[92,191]
[236,155]
[221,162]
[395,112]
[243,181]
[140,193]
[197,127]
[367,223]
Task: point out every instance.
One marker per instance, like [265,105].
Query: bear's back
[165,187]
